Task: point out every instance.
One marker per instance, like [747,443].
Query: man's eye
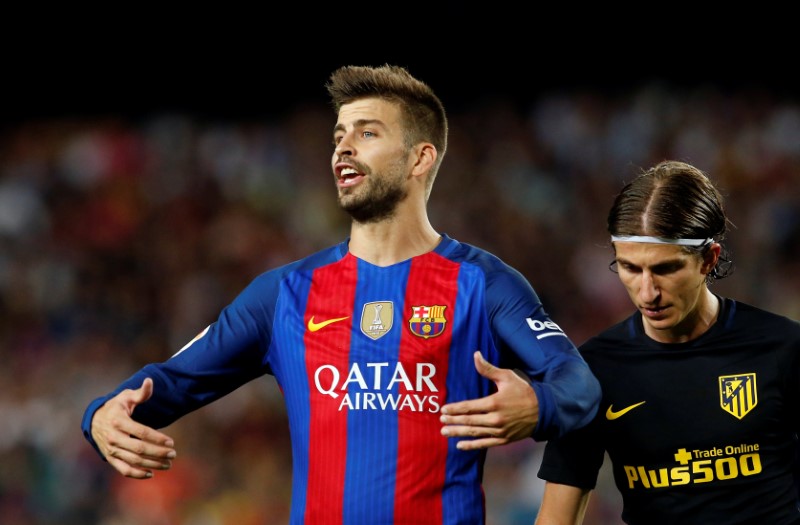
[367,134]
[667,269]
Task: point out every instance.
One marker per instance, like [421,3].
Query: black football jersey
[702,432]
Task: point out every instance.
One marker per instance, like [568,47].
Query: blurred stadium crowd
[120,239]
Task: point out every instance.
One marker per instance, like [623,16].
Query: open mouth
[348,176]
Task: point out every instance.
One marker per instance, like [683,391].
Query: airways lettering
[381,401]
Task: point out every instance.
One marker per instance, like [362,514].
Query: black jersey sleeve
[573,459]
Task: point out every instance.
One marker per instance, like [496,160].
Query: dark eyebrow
[666,265]
[360,123]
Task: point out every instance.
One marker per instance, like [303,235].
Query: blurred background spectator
[125,227]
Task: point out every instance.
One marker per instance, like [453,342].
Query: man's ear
[711,257]
[425,155]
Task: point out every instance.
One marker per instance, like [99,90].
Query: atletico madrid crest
[427,321]
[737,394]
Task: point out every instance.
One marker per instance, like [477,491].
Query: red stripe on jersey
[432,281]
[328,346]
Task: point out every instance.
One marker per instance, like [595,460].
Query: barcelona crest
[737,394]
[427,321]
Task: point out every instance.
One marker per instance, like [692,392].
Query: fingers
[473,428]
[484,367]
[136,457]
[463,408]
[481,412]
[133,398]
[151,441]
[489,371]
[144,392]
[133,466]
[143,442]
[481,405]
[483,437]
[128,471]
[133,449]
[509,414]
[476,444]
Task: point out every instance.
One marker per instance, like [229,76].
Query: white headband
[661,240]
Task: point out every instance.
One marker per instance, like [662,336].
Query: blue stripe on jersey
[376,449]
[290,368]
[473,333]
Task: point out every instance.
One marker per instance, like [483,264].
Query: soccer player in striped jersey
[701,393]
[369,338]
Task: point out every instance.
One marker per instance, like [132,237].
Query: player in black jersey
[701,393]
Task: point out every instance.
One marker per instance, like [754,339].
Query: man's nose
[344,146]
[648,289]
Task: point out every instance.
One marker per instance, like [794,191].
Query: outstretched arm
[508,415]
[133,449]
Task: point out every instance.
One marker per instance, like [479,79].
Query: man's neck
[390,242]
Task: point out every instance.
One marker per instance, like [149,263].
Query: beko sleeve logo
[548,328]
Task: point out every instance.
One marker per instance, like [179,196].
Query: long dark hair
[673,200]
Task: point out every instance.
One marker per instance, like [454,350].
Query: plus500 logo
[702,471]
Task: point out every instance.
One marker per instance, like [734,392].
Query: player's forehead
[368,110]
[648,254]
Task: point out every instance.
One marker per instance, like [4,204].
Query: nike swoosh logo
[611,415]
[313,327]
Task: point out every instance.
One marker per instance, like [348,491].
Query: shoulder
[490,265]
[747,318]
[505,286]
[621,335]
[271,279]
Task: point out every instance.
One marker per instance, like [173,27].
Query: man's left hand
[508,415]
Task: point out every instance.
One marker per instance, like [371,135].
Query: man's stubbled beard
[379,197]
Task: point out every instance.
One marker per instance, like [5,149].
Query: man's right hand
[135,450]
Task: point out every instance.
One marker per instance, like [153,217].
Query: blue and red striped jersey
[365,357]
